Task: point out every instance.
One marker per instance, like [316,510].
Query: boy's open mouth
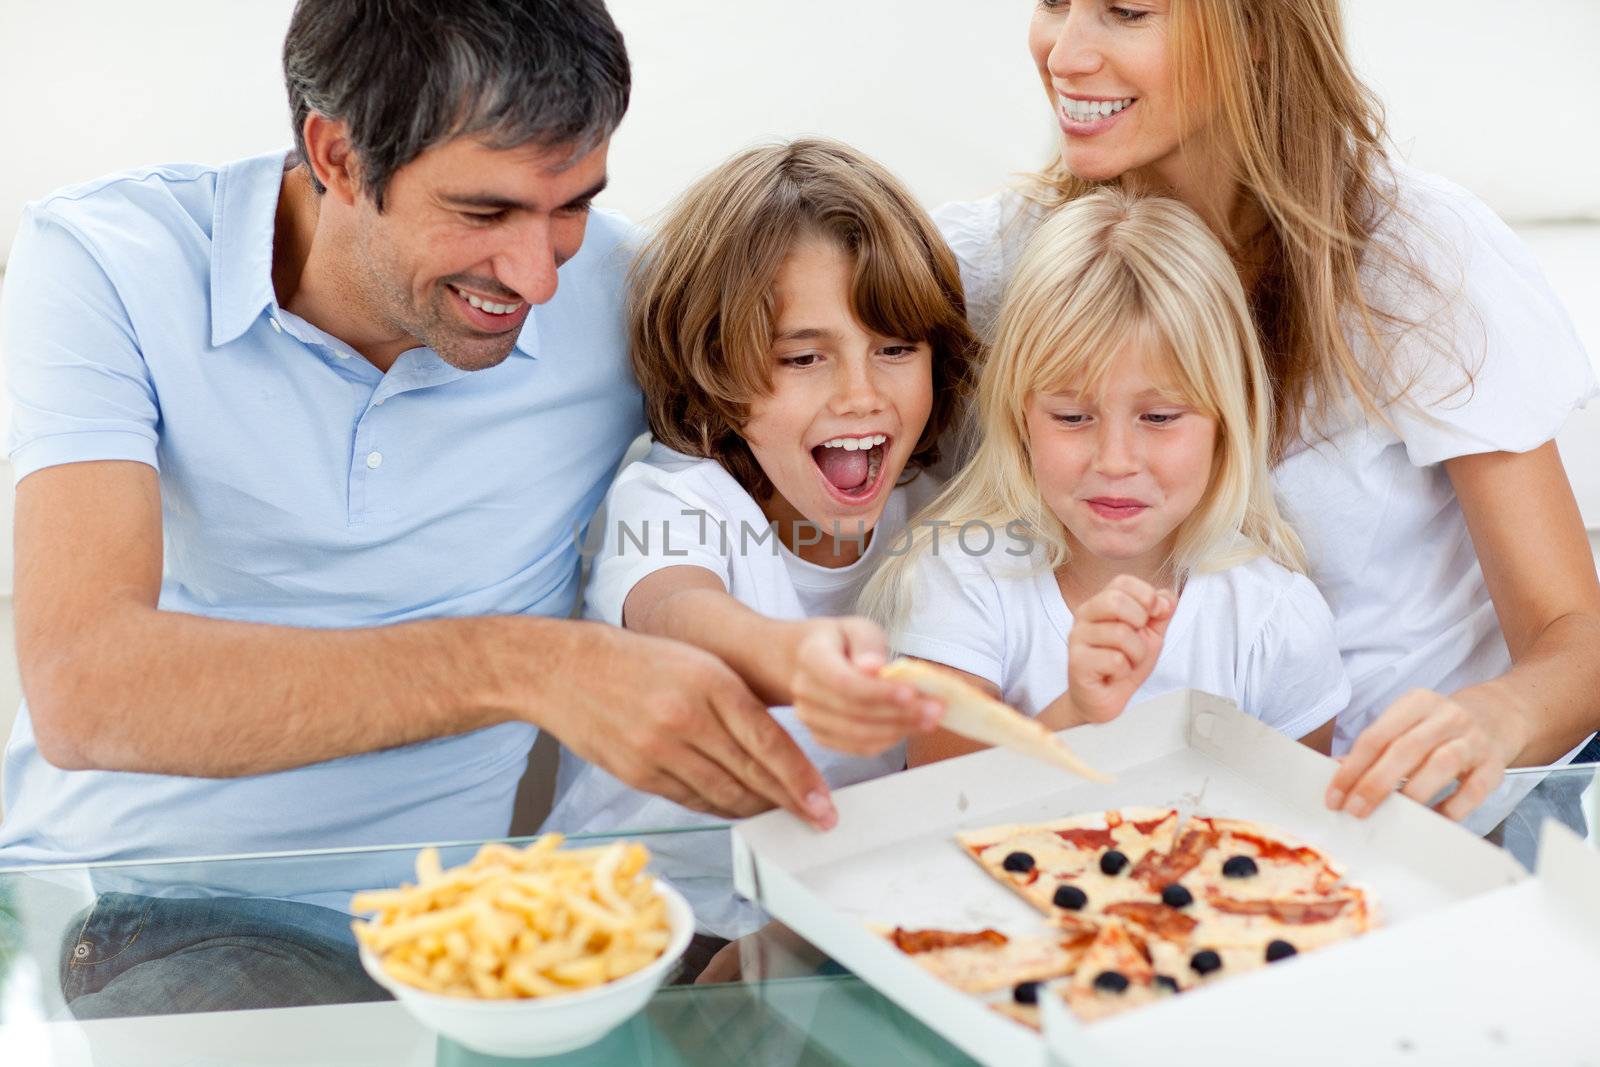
[852,465]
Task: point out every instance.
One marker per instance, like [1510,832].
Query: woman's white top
[672,510]
[1255,633]
[1388,545]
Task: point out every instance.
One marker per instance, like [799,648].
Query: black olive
[1113,862]
[1205,961]
[1070,897]
[1239,867]
[1019,862]
[1167,982]
[1175,896]
[1026,993]
[1279,950]
[1111,982]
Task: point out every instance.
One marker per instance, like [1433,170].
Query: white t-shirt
[1255,633]
[672,510]
[1388,545]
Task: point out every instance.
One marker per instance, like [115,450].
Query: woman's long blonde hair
[1307,141]
[1106,269]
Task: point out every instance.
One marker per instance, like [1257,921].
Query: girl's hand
[1424,742]
[839,697]
[1115,640]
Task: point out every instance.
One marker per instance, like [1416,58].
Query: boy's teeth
[484,305]
[855,444]
[1090,110]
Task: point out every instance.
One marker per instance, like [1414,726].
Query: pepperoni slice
[1157,871]
[1292,912]
[913,942]
[1164,922]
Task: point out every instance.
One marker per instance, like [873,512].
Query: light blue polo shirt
[299,486]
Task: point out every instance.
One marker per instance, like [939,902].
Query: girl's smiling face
[1124,467]
[845,410]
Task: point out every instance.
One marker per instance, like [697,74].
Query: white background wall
[1497,94]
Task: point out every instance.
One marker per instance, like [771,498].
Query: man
[302,447]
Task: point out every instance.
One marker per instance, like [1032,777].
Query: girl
[1420,367]
[798,328]
[1125,418]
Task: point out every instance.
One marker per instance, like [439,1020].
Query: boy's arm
[690,604]
[825,667]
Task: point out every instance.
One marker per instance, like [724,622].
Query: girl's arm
[1536,560]
[1321,739]
[942,744]
[825,667]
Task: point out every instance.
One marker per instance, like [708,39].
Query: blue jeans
[136,955]
[1558,797]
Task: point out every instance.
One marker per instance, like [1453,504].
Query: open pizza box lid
[893,860]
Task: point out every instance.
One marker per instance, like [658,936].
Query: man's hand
[839,696]
[672,720]
[1115,641]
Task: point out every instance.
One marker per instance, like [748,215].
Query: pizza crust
[970,712]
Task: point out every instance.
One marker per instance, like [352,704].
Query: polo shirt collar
[242,229]
[241,244]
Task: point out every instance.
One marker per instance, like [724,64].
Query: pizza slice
[1116,974]
[972,713]
[1073,867]
[987,960]
[1252,862]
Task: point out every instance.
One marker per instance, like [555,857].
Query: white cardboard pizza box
[892,859]
[1507,977]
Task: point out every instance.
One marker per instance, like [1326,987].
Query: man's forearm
[168,693]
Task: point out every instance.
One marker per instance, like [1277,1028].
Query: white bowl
[544,1026]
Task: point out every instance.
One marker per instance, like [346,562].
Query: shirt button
[378,403]
[374,460]
[81,950]
[341,355]
[276,325]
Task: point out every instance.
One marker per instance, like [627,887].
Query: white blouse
[1254,633]
[1387,542]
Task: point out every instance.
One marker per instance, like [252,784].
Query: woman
[1421,369]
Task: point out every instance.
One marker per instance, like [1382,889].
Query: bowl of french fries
[525,951]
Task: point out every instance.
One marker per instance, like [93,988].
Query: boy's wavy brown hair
[700,310]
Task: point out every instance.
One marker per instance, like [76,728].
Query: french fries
[516,923]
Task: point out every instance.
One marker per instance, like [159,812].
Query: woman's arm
[1536,561]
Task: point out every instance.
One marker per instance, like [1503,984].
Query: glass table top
[770,998]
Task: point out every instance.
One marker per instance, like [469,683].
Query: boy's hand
[839,697]
[1115,640]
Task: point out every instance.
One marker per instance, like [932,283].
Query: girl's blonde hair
[700,308]
[1104,270]
[1307,142]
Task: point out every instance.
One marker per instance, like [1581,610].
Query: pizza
[1147,905]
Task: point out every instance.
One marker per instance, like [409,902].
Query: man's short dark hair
[405,75]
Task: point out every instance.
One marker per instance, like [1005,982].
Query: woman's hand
[839,696]
[1115,641]
[1422,744]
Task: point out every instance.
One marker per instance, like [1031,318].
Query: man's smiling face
[469,238]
